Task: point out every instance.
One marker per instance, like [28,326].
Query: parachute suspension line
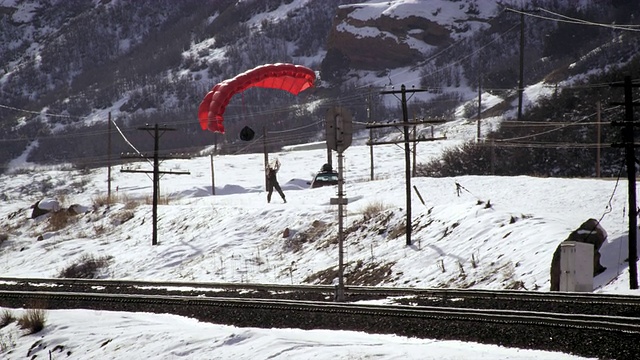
[251,143]
[295,129]
[244,107]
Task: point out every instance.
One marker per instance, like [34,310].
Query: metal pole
[340,290]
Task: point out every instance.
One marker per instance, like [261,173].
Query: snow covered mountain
[67,65]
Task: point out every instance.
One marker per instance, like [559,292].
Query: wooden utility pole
[407,151]
[521,78]
[369,116]
[156,171]
[479,106]
[629,147]
[598,141]
[266,156]
[109,160]
[213,177]
[521,75]
[415,150]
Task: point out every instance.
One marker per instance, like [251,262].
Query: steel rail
[577,321]
[444,294]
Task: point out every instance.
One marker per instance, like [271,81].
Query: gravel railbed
[582,342]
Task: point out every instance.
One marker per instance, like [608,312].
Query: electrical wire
[36,112]
[587,22]
[549,131]
[570,20]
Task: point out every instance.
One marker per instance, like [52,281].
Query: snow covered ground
[236,236]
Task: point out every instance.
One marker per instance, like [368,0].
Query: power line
[38,112]
[549,131]
[587,22]
[571,20]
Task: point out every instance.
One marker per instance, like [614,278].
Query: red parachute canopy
[288,77]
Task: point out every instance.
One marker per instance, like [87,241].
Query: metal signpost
[339,133]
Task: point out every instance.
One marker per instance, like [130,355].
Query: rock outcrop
[44,206]
[391,35]
[589,232]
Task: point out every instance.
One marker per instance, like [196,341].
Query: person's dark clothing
[272,182]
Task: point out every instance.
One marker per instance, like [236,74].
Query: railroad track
[584,303]
[468,315]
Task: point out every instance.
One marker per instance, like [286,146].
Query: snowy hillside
[67,68]
[488,232]
[236,236]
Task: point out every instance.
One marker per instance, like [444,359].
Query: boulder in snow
[589,232]
[44,206]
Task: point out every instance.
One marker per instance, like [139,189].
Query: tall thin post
[371,153]
[369,116]
[266,156]
[479,107]
[492,166]
[630,158]
[213,178]
[598,140]
[109,160]
[415,152]
[521,79]
[340,292]
[631,179]
[407,161]
[156,183]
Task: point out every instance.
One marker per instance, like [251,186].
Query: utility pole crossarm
[159,172]
[163,128]
[170,156]
[400,91]
[408,123]
[403,141]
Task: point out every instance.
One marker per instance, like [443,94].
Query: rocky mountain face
[383,52]
[65,65]
[374,37]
